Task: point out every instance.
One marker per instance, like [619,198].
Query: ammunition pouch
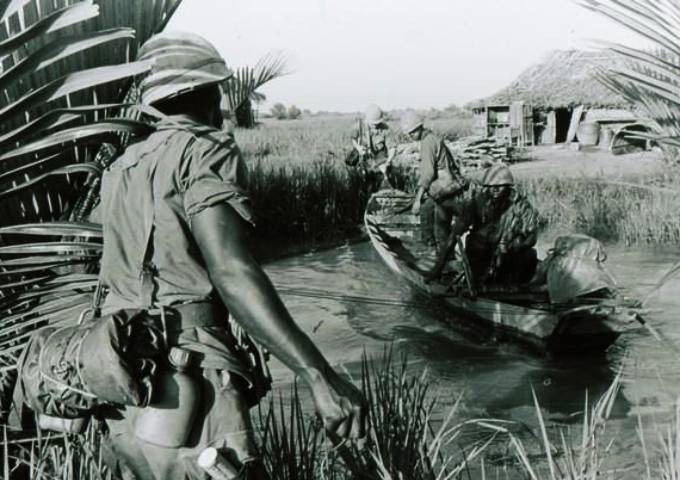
[252,369]
[67,372]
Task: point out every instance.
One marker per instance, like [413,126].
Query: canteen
[168,419]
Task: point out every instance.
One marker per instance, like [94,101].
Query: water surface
[494,379]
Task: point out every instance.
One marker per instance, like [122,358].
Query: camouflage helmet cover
[181,62]
[498,175]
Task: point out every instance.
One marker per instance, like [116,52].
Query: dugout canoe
[518,314]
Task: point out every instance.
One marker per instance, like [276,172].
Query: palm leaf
[65,78]
[10,7]
[69,229]
[60,49]
[244,83]
[48,261]
[72,83]
[106,131]
[52,119]
[652,78]
[51,23]
[89,168]
[46,313]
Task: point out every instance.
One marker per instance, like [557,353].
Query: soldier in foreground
[440,182]
[503,229]
[177,223]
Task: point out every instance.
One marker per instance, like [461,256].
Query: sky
[343,55]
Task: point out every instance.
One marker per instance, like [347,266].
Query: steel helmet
[411,121]
[498,175]
[374,115]
[181,62]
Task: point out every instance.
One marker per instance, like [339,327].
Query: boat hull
[590,327]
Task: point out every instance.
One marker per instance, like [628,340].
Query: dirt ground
[558,161]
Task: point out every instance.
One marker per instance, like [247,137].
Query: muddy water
[493,379]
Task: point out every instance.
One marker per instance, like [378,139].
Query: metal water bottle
[216,466]
[167,421]
[63,425]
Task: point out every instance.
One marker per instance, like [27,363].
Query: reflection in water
[495,379]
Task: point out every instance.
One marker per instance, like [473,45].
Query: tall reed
[305,194]
[47,456]
[410,438]
[641,210]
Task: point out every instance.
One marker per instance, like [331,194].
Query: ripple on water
[493,379]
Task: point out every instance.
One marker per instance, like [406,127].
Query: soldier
[370,150]
[503,229]
[440,182]
[176,222]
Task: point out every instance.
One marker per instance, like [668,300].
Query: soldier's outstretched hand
[340,404]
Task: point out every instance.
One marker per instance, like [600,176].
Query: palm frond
[106,131]
[66,229]
[52,119]
[71,83]
[244,83]
[65,82]
[60,49]
[651,78]
[51,23]
[89,168]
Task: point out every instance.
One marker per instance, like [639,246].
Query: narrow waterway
[494,379]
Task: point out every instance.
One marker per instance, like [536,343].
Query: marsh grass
[324,200]
[566,459]
[300,187]
[304,194]
[50,456]
[410,437]
[407,439]
[642,210]
[307,203]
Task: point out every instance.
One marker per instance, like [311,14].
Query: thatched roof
[562,78]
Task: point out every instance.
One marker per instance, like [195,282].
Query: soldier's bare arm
[223,238]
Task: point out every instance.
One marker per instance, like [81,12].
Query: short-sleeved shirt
[149,196]
[437,162]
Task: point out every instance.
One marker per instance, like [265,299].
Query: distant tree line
[280,112]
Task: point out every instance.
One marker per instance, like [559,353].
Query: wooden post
[573,125]
[550,135]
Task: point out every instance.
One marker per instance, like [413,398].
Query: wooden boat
[523,314]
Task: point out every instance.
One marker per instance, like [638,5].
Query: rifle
[467,269]
[507,237]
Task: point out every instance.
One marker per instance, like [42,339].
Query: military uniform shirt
[148,198]
[437,162]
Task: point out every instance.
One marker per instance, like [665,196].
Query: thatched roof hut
[549,100]
[564,78]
